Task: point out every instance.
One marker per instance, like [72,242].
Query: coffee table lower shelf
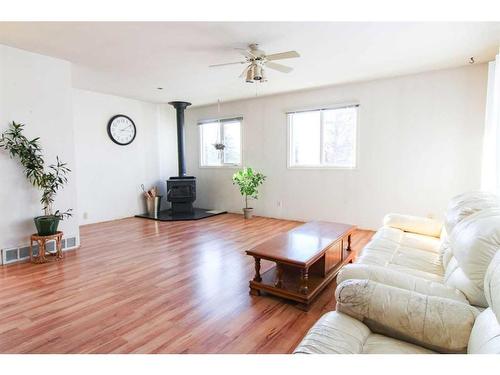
[291,285]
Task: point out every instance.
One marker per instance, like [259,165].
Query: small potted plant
[248,181]
[48,179]
[219,146]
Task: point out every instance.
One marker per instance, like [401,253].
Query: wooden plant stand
[42,247]
[307,259]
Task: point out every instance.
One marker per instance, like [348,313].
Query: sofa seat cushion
[384,252]
[414,224]
[337,333]
[379,344]
[407,239]
[414,272]
[400,279]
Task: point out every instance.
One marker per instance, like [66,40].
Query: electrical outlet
[85,215]
[279,204]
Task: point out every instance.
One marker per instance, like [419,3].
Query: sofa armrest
[414,224]
[391,277]
[334,333]
[435,323]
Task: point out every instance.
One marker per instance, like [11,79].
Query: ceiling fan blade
[282,55]
[231,63]
[248,54]
[278,67]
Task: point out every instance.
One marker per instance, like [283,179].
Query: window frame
[200,123]
[322,166]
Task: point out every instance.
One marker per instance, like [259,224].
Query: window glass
[323,138]
[220,143]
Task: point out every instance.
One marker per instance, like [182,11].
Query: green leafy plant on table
[49,179]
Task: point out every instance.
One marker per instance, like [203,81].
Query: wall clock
[121,130]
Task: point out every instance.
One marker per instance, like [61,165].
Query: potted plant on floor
[248,181]
[48,179]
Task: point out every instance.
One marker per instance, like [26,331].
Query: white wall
[110,175]
[420,144]
[105,179]
[35,90]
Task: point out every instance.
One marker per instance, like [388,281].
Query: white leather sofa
[374,318]
[440,259]
[418,286]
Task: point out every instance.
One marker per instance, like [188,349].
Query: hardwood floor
[140,286]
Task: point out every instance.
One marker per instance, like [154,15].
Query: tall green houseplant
[48,179]
[248,181]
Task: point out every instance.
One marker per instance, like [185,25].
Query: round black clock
[121,130]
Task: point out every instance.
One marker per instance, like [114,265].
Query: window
[323,138]
[220,142]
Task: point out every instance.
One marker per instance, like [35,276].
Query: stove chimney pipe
[179,108]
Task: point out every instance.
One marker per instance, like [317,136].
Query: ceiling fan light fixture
[256,60]
[257,72]
[249,78]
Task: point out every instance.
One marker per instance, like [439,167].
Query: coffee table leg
[254,292]
[257,277]
[304,279]
[279,276]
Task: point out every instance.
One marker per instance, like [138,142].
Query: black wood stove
[181,189]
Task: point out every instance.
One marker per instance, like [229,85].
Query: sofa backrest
[485,334]
[473,243]
[459,208]
[466,204]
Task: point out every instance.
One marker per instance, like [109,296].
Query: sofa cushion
[379,344]
[485,335]
[399,279]
[412,240]
[414,224]
[383,252]
[337,333]
[460,207]
[492,285]
[474,242]
[436,323]
[466,204]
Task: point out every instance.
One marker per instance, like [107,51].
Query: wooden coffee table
[307,258]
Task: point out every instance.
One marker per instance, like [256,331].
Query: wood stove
[181,189]
[181,193]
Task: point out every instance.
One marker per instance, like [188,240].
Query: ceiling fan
[257,60]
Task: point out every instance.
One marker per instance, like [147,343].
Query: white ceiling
[132,59]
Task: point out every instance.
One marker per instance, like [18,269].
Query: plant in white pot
[248,181]
[48,179]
